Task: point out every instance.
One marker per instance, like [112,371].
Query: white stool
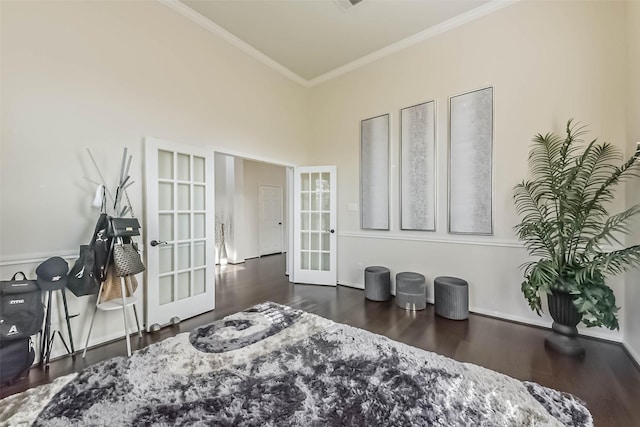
[116,304]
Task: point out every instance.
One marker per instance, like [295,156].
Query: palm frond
[564,221]
[616,262]
[616,224]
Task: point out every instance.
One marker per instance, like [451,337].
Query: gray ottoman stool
[411,291]
[377,283]
[451,297]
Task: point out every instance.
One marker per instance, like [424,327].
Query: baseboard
[542,323]
[351,285]
[94,342]
[632,354]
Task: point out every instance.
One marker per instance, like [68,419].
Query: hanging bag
[91,266]
[101,244]
[82,280]
[21,308]
[127,259]
[125,253]
[124,227]
[111,288]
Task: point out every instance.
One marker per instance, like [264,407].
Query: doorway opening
[252,217]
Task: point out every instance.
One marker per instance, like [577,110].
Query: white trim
[465,240]
[230,152]
[115,336]
[209,25]
[252,157]
[195,304]
[450,24]
[37,257]
[632,352]
[306,275]
[289,177]
[615,337]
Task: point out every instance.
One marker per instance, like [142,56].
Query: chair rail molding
[449,239]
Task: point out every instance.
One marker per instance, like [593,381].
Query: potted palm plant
[566,226]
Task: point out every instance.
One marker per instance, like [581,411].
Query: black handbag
[101,245]
[82,280]
[21,308]
[123,227]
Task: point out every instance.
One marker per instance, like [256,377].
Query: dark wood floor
[606,379]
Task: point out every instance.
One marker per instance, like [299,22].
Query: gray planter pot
[564,336]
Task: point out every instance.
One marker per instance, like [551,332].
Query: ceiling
[311,38]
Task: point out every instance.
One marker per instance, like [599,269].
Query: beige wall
[548,62]
[631,312]
[104,75]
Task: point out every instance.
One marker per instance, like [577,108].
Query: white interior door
[269,220]
[179,237]
[314,217]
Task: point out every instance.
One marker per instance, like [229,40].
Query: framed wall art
[471,162]
[374,173]
[418,167]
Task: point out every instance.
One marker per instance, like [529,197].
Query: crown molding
[443,27]
[450,24]
[209,25]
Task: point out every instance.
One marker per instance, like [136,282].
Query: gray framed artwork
[471,162]
[374,172]
[418,167]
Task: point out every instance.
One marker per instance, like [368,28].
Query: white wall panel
[374,172]
[418,167]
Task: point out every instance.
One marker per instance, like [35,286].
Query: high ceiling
[313,37]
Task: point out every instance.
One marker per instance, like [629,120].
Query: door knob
[279,223]
[331,231]
[157,242]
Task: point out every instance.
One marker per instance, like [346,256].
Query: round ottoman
[411,291]
[377,283]
[451,297]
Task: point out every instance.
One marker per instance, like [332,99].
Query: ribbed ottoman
[377,283]
[411,291]
[451,297]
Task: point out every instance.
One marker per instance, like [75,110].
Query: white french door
[179,232]
[314,218]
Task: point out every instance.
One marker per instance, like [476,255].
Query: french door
[315,241]
[179,233]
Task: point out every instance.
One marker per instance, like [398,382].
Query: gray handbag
[127,259]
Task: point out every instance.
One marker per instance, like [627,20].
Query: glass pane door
[181,219]
[179,192]
[314,224]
